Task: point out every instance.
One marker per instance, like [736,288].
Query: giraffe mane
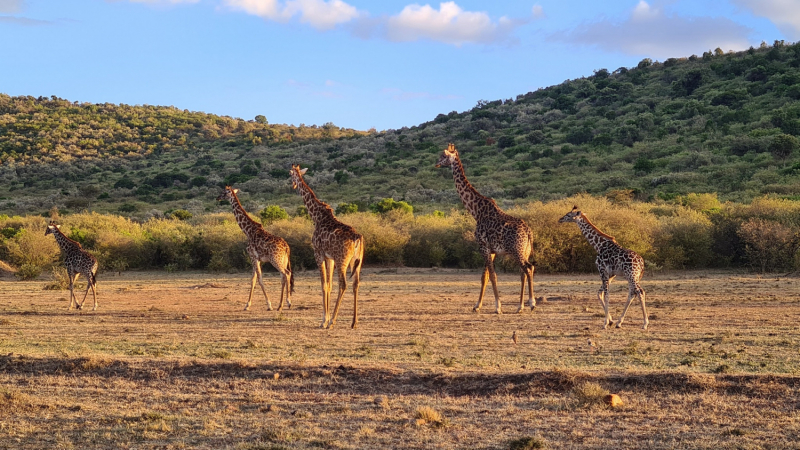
[605,235]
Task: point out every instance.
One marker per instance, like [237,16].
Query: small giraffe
[497,233]
[612,260]
[78,262]
[336,245]
[262,246]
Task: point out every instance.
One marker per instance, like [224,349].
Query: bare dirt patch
[162,366]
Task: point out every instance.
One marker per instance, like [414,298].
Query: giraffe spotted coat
[262,246]
[78,262]
[336,246]
[496,232]
[612,260]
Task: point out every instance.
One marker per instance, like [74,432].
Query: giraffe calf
[78,262]
[612,260]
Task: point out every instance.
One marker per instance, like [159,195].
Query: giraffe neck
[247,224]
[317,209]
[473,201]
[67,245]
[592,234]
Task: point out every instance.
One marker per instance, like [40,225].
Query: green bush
[272,213]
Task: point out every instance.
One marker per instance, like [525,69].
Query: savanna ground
[172,361]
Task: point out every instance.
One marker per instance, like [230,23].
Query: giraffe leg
[484,278]
[75,297]
[252,285]
[531,298]
[523,276]
[641,294]
[342,269]
[94,293]
[356,282]
[284,288]
[602,295]
[493,278]
[73,277]
[631,294]
[323,273]
[86,294]
[263,289]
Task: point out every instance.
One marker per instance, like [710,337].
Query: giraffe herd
[338,247]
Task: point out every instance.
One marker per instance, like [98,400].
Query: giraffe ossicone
[496,232]
[262,246]
[336,246]
[612,260]
[78,262]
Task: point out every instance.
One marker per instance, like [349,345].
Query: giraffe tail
[359,257]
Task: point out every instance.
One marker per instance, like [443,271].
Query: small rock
[613,400]
[276,375]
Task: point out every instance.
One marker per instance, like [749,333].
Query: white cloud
[785,14]
[320,14]
[650,32]
[449,24]
[11,6]
[537,11]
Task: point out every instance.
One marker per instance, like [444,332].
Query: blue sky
[359,64]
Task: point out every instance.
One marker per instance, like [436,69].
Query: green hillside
[724,123]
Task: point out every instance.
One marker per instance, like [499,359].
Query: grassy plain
[172,361]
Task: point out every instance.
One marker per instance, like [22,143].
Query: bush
[28,272]
[684,240]
[769,245]
[272,213]
[180,214]
[346,208]
[390,204]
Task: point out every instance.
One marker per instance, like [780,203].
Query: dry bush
[589,394]
[32,249]
[425,415]
[769,245]
[384,235]
[560,247]
[438,240]
[683,240]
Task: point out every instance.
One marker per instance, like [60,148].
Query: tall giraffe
[612,260]
[78,262]
[497,233]
[262,246]
[336,245]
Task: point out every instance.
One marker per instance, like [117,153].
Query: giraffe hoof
[499,312]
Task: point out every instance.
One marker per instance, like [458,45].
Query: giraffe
[336,245]
[262,246]
[78,262]
[612,260]
[497,233]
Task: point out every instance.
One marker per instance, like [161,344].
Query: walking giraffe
[336,245]
[612,260]
[262,246]
[78,262]
[497,233]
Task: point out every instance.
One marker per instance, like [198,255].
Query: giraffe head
[449,155]
[228,195]
[572,216]
[51,228]
[297,175]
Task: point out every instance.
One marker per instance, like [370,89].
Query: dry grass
[172,361]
